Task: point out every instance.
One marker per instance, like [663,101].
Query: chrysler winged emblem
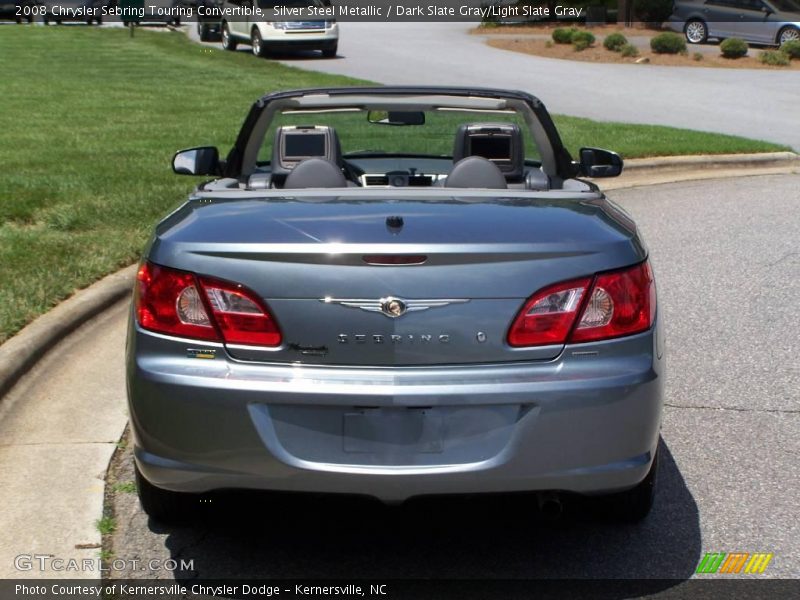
[392,307]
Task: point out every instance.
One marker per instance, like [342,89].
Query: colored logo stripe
[722,562]
[711,562]
[734,562]
[758,563]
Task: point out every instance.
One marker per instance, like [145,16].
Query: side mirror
[596,162]
[196,161]
[396,117]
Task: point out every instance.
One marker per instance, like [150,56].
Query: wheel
[202,32]
[89,21]
[633,505]
[696,32]
[788,34]
[330,51]
[30,19]
[46,21]
[259,49]
[99,20]
[164,505]
[228,43]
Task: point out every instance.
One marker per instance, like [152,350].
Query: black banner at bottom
[408,589]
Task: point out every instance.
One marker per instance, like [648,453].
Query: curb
[22,351]
[713,161]
[640,172]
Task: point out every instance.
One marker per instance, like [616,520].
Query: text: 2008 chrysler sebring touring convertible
[396,292]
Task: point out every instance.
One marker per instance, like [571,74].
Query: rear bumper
[312,39]
[585,423]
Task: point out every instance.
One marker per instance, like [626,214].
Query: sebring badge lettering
[377,338]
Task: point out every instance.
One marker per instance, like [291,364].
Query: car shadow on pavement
[296,55]
[266,535]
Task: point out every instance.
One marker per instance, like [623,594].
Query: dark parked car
[208,17]
[769,22]
[19,10]
[396,292]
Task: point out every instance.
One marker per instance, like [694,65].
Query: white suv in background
[273,36]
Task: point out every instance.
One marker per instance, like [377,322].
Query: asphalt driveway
[728,267]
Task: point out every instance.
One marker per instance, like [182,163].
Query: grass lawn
[90,119]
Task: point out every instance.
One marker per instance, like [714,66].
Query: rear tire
[228,43]
[788,34]
[696,32]
[330,51]
[257,43]
[164,505]
[633,505]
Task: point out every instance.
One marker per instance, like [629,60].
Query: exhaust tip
[550,505]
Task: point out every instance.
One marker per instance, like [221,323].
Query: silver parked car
[769,22]
[396,292]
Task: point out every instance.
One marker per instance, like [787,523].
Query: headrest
[476,172]
[315,173]
[281,164]
[501,143]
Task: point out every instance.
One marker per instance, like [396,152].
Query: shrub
[548,44]
[583,36]
[615,42]
[775,58]
[580,45]
[668,43]
[652,11]
[792,48]
[563,36]
[629,50]
[697,56]
[733,48]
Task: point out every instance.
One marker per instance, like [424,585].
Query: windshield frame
[555,159]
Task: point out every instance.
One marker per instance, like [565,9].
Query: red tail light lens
[621,303]
[548,316]
[616,304]
[168,301]
[179,303]
[240,314]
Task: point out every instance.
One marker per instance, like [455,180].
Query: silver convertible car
[396,292]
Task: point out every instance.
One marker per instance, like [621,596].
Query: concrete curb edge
[710,161]
[22,351]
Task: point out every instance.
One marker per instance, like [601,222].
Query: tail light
[548,316]
[611,305]
[183,304]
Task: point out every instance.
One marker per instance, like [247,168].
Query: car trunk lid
[467,265]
